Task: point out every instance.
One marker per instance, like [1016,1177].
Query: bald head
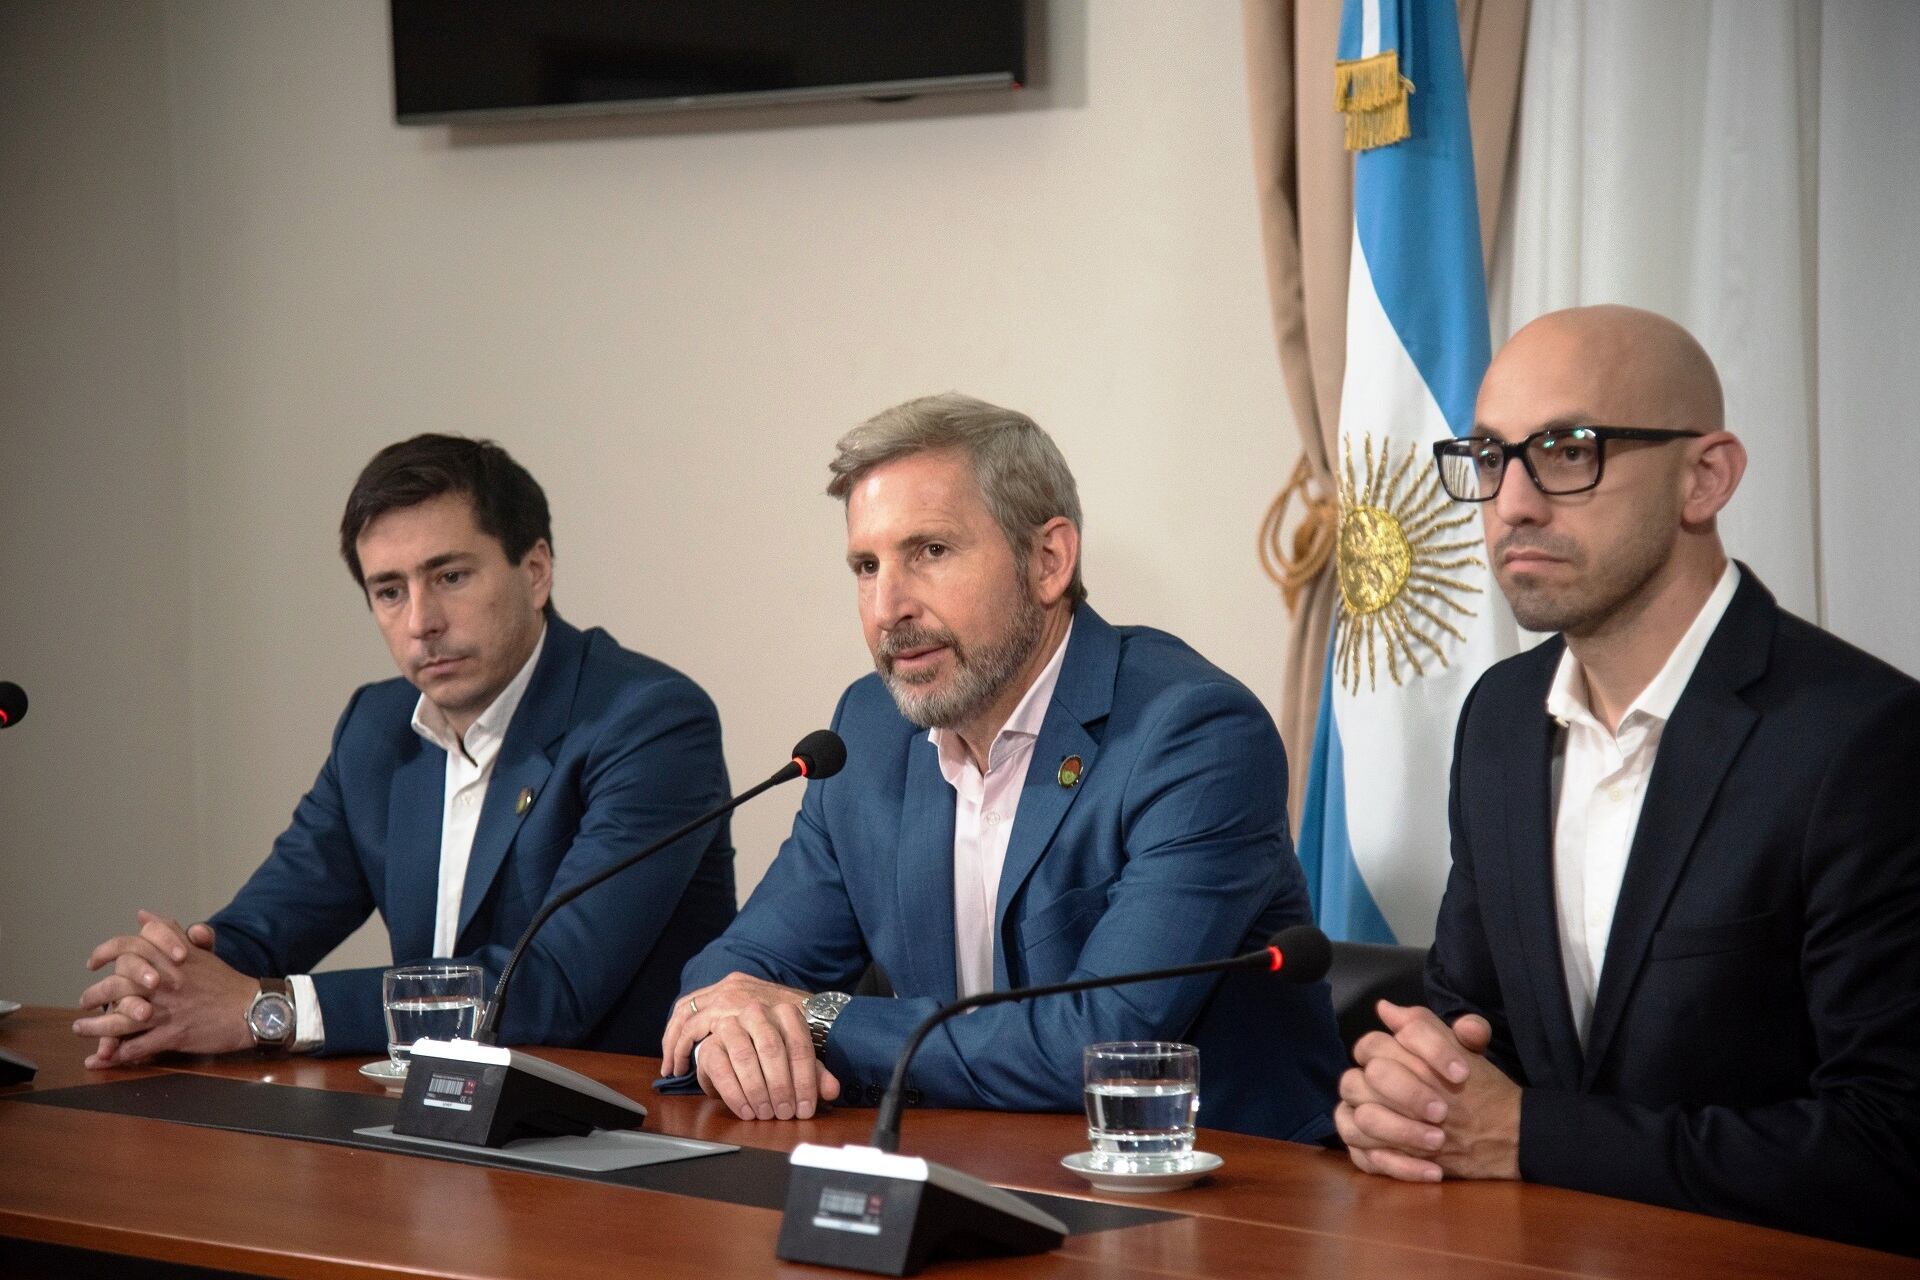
[1628,367]
[1638,549]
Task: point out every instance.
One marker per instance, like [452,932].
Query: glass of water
[431,1001]
[1143,1097]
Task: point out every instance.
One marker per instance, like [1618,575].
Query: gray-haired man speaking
[1031,793]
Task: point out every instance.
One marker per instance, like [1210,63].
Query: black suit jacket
[1755,1045]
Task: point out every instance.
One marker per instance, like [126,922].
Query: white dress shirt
[470,760]
[1601,782]
[983,813]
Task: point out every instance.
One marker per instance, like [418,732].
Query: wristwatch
[820,1010]
[270,1018]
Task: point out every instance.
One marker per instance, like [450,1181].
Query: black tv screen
[515,59]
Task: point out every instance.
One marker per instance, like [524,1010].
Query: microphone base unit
[15,1069]
[484,1096]
[864,1209]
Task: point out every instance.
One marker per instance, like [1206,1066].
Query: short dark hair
[508,503]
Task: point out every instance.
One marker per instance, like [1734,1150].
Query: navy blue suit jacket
[1754,1051]
[617,749]
[1172,848]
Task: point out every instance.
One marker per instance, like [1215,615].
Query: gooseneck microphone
[820,754]
[474,1092]
[870,1209]
[1299,954]
[13,704]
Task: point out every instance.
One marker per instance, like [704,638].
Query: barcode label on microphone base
[843,1209]
[452,1093]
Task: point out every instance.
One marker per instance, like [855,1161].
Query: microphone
[1299,954]
[819,755]
[473,1092]
[868,1209]
[13,704]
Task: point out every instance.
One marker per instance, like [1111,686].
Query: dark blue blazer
[1172,848]
[1755,1045]
[617,750]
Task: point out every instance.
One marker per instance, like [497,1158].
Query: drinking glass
[1143,1097]
[430,1001]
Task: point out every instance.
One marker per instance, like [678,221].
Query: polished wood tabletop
[282,1207]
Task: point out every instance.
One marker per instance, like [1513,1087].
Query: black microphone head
[820,754]
[1305,953]
[13,705]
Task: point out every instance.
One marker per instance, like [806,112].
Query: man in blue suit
[516,757]
[1030,795]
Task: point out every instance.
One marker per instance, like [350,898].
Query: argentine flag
[1419,615]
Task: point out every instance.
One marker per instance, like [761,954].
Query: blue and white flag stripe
[1368,27]
[1374,831]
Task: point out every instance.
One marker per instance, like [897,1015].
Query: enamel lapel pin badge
[1069,775]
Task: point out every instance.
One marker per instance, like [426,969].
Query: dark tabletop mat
[750,1176]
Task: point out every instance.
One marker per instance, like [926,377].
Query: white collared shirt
[983,813]
[470,760]
[1601,783]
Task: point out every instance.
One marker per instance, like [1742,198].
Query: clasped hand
[1423,1101]
[164,991]
[758,1054]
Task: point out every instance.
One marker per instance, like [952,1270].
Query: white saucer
[9,1006]
[1082,1163]
[392,1077]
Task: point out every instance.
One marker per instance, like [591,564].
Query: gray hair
[1018,468]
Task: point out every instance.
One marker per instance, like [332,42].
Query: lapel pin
[1069,775]
[524,803]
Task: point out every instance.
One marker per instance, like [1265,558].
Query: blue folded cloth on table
[685,1082]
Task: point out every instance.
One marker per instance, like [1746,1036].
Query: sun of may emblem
[1399,574]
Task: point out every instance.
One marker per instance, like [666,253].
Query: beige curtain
[1304,179]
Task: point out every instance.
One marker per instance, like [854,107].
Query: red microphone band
[1278,960]
[802,763]
[5,719]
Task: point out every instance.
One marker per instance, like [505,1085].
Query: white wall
[669,320]
[96,807]
[1869,308]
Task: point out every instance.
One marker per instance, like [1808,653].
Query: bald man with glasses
[1676,957]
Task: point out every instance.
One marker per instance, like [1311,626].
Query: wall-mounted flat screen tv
[472,60]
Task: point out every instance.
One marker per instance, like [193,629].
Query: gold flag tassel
[1372,94]
[1313,539]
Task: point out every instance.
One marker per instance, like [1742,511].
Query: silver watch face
[825,1006]
[271,1019]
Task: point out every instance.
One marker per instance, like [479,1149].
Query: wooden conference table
[201,1197]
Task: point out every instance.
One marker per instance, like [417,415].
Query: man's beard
[978,676]
[1598,593]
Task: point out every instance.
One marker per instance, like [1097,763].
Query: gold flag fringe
[1372,94]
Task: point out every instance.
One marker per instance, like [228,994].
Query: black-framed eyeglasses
[1559,460]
